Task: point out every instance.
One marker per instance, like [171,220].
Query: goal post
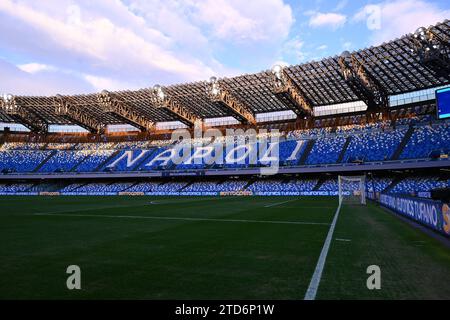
[352,189]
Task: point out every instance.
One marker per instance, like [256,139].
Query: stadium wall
[332,168]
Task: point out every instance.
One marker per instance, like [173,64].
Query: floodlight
[421,33]
[276,70]
[215,90]
[159,91]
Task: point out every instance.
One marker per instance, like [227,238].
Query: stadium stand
[366,143]
[414,185]
[426,139]
[326,150]
[397,141]
[374,146]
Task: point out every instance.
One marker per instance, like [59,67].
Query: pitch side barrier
[430,213]
[19,193]
[301,193]
[226,193]
[230,193]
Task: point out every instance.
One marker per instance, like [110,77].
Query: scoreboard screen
[443,103]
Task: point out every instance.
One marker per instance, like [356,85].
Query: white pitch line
[317,276]
[183,219]
[278,203]
[345,240]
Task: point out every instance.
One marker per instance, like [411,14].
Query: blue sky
[68,46]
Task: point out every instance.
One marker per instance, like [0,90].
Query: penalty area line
[278,203]
[317,276]
[183,219]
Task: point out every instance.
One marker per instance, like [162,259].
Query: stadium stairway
[306,152]
[392,185]
[45,187]
[403,143]
[319,184]
[107,160]
[74,168]
[40,165]
[250,182]
[187,185]
[81,185]
[344,149]
[129,187]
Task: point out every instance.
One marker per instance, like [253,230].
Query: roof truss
[112,104]
[78,115]
[27,116]
[225,99]
[392,68]
[184,115]
[366,86]
[289,93]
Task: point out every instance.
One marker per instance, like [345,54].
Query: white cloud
[35,67]
[139,42]
[101,83]
[249,20]
[333,20]
[401,17]
[16,81]
[322,47]
[106,44]
[293,51]
[347,45]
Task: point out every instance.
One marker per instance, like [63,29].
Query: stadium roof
[413,62]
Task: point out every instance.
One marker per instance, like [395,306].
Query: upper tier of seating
[377,142]
[374,145]
[427,139]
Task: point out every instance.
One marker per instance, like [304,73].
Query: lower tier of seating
[415,185]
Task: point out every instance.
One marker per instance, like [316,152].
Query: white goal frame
[349,195]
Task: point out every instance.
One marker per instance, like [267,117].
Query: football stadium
[324,180]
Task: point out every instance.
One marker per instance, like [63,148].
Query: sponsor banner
[236,193]
[181,193]
[433,214]
[19,193]
[89,193]
[204,193]
[297,193]
[44,193]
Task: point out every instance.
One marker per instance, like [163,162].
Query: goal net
[352,189]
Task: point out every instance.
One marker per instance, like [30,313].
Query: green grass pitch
[211,248]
